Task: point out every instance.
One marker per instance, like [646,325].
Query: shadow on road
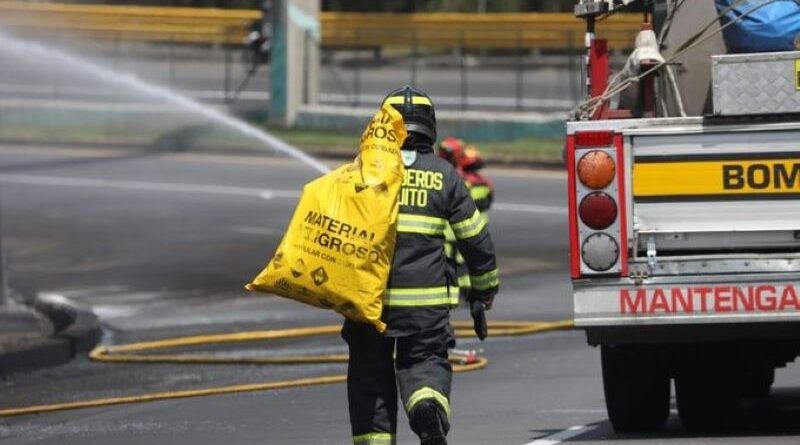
[771,416]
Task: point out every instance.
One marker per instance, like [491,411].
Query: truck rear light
[600,251]
[596,169]
[598,210]
[594,138]
[597,214]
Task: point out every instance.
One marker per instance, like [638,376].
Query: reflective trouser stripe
[464,281]
[470,226]
[421,296]
[426,225]
[485,281]
[428,393]
[374,439]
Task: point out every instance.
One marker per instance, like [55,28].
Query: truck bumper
[687,300]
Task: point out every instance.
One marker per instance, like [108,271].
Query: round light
[600,252]
[596,169]
[598,210]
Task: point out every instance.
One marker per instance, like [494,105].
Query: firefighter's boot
[429,422]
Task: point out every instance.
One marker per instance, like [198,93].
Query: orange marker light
[596,169]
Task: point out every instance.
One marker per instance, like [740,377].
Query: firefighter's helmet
[461,155]
[417,110]
[451,149]
[471,160]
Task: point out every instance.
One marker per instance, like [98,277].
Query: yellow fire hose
[132,353]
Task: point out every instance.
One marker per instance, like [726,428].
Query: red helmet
[451,149]
[471,159]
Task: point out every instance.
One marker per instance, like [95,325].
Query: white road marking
[245,230]
[575,411]
[528,208]
[219,190]
[147,186]
[110,312]
[563,436]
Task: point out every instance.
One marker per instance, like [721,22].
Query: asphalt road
[161,244]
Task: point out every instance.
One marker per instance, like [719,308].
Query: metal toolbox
[758,83]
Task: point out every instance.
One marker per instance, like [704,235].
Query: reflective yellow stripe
[421,296]
[470,226]
[480,192]
[485,281]
[448,249]
[416,100]
[428,393]
[426,225]
[374,439]
[448,233]
[464,281]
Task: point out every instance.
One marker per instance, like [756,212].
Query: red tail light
[598,210]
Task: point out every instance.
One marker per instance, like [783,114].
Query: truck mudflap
[682,300]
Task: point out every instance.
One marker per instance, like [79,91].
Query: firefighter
[468,163]
[412,354]
[259,38]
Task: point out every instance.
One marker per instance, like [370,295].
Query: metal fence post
[172,60]
[3,274]
[357,74]
[115,60]
[414,55]
[520,86]
[228,63]
[574,78]
[306,64]
[463,67]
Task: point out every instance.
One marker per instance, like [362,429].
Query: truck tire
[636,387]
[707,391]
[757,381]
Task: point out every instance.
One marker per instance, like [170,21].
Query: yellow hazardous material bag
[338,248]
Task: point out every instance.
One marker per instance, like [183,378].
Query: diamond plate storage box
[759,83]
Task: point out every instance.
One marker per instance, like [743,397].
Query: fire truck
[684,215]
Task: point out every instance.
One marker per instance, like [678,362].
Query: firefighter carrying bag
[338,248]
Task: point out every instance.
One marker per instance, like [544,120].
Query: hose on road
[135,353]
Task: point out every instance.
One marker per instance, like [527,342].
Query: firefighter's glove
[487,301]
[477,309]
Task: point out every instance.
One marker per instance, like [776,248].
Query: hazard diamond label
[298,268]
[319,276]
[277,260]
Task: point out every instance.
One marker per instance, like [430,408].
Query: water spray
[110,76]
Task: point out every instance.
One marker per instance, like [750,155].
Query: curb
[73,322]
[75,329]
[34,353]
